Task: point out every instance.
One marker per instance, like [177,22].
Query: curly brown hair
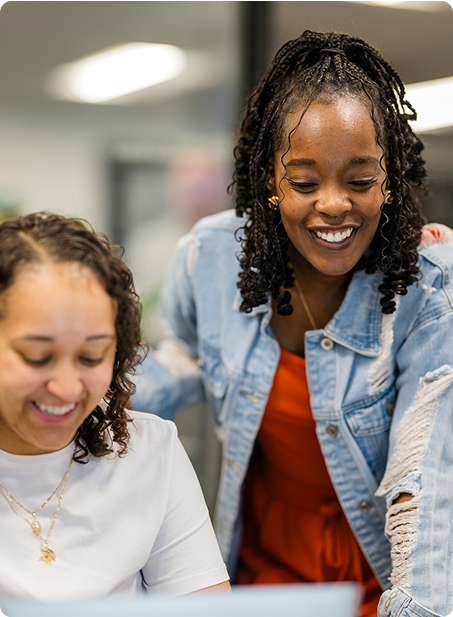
[39,236]
[324,66]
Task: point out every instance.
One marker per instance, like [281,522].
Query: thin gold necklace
[47,553]
[302,297]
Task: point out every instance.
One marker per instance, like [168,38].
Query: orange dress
[294,529]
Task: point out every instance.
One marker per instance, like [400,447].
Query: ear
[271,181]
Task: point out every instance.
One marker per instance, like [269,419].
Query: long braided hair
[314,66]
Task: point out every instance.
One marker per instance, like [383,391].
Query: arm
[220,587]
[185,557]
[417,484]
[170,378]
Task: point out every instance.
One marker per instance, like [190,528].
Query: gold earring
[273,202]
[388,197]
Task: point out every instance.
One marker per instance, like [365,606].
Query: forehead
[344,122]
[52,273]
[60,291]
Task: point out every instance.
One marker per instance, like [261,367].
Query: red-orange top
[294,528]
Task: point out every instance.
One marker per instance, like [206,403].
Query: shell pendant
[35,527]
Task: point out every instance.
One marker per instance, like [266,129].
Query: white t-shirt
[124,523]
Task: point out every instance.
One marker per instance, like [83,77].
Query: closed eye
[303,185]
[37,363]
[363,183]
[91,361]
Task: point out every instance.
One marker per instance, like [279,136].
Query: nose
[65,383]
[333,202]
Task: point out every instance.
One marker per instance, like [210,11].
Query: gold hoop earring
[273,202]
[388,197]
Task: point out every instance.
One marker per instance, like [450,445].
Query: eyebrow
[300,162]
[356,160]
[49,339]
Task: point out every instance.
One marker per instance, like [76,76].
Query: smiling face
[57,350]
[331,191]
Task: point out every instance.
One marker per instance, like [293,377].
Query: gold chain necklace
[47,553]
[302,297]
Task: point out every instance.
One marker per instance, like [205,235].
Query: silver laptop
[305,600]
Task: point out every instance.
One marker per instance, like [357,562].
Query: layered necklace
[48,556]
[302,297]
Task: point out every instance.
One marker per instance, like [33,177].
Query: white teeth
[338,237]
[55,410]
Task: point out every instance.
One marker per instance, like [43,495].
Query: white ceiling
[36,36]
[418,43]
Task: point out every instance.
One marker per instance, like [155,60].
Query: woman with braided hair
[315,321]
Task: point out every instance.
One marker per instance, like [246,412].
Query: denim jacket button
[364,506]
[327,344]
[332,431]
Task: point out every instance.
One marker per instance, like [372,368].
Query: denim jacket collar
[256,310]
[357,323]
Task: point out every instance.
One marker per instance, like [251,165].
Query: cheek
[375,214]
[290,215]
[293,210]
[18,381]
[293,216]
[100,379]
[374,201]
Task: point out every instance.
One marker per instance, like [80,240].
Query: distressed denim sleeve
[399,603]
[170,378]
[420,464]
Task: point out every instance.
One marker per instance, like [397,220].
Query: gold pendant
[47,554]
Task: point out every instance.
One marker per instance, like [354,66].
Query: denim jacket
[380,392]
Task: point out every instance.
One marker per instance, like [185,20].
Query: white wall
[53,165]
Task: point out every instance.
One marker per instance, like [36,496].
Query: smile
[56,410]
[336,237]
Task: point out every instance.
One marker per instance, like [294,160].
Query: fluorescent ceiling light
[117,71]
[382,2]
[433,101]
[412,5]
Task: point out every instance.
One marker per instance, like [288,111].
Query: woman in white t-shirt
[94,499]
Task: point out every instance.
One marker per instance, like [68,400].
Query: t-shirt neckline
[33,459]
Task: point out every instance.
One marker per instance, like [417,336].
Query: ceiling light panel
[430,6]
[433,101]
[116,72]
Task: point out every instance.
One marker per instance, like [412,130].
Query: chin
[330,269]
[52,444]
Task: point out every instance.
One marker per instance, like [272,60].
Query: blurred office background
[144,167]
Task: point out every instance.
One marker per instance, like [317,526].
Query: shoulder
[222,222]
[150,431]
[219,228]
[211,245]
[148,462]
[437,244]
[436,255]
[150,422]
[431,297]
